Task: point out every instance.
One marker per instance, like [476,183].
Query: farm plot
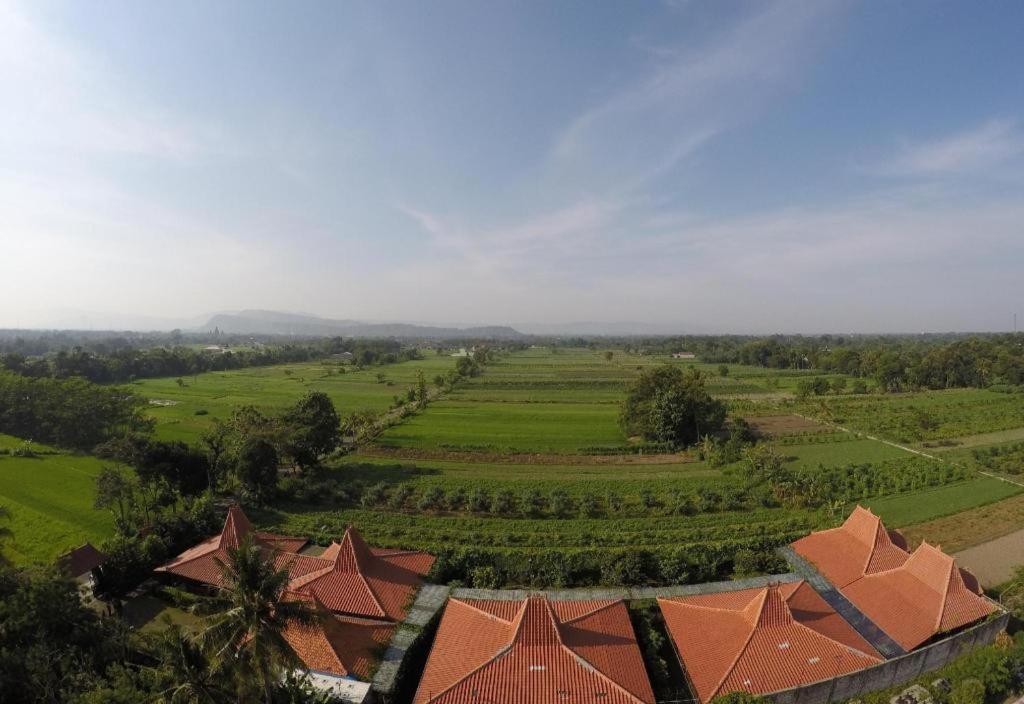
[184,411]
[921,416]
[50,499]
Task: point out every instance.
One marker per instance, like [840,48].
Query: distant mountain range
[267,322]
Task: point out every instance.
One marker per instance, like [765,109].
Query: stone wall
[896,671]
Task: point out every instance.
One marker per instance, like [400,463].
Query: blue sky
[699,166]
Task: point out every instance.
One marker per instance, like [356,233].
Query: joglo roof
[535,651]
[762,640]
[912,597]
[348,578]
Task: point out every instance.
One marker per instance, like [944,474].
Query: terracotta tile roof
[358,581]
[762,640]
[81,560]
[535,651]
[925,596]
[912,597]
[202,563]
[860,546]
[337,645]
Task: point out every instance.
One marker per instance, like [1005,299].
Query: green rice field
[49,499]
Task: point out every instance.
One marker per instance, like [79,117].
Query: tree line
[127,363]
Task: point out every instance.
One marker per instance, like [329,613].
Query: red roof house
[202,563]
[762,640]
[910,596]
[338,646]
[358,580]
[535,651]
[927,595]
[860,546]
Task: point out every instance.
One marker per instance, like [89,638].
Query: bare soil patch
[775,426]
[523,458]
[969,528]
[994,562]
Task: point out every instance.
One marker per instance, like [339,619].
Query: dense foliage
[671,405]
[119,361]
[71,413]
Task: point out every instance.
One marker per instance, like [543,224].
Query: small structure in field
[82,564]
[683,355]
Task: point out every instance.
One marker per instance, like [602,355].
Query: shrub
[485,577]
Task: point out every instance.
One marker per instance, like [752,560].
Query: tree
[216,440]
[187,673]
[608,355]
[256,465]
[115,492]
[723,370]
[312,429]
[670,404]
[247,618]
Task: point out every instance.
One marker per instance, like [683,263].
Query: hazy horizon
[748,167]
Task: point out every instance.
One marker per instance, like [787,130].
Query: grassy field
[541,427]
[926,416]
[50,501]
[537,401]
[184,412]
[930,504]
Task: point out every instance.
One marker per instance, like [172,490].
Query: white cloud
[692,94]
[984,146]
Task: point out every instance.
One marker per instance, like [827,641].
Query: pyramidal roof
[860,546]
[927,595]
[912,597]
[236,528]
[202,562]
[762,640]
[535,651]
[357,580]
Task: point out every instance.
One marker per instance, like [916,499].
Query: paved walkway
[994,562]
[430,598]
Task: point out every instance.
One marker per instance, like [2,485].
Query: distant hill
[268,322]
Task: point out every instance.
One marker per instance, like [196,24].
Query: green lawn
[275,388]
[50,503]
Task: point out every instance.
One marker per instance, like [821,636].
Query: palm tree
[248,617]
[187,674]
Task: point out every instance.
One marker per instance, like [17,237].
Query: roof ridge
[501,651]
[833,640]
[944,603]
[601,673]
[548,611]
[373,594]
[593,611]
[746,644]
[479,610]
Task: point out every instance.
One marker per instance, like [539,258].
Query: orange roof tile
[202,562]
[762,640]
[337,645]
[535,651]
[925,596]
[860,546]
[912,597]
[359,581]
